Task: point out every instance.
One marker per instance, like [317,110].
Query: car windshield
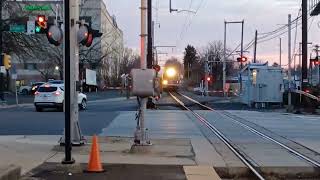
[47,89]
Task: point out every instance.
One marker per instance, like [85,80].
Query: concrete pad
[22,151]
[10,172]
[200,173]
[116,150]
[160,124]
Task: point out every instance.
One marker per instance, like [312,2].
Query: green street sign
[17,28]
[37,8]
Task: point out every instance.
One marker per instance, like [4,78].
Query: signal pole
[280,57]
[140,136]
[71,69]
[255,47]
[1,73]
[289,60]
[304,43]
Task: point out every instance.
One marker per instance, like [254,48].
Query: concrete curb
[13,106]
[11,172]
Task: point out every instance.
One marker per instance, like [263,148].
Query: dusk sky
[180,29]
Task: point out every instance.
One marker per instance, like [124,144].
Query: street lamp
[57,68]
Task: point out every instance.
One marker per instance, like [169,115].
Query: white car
[52,96]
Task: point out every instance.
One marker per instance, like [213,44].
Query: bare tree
[215,51]
[31,48]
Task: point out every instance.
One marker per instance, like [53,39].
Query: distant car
[56,82]
[52,96]
[25,90]
[35,87]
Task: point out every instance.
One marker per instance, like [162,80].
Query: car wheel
[39,109]
[25,92]
[83,104]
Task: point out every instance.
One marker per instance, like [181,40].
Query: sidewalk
[40,158]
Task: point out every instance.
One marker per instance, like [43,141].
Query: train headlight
[171,72]
[165,82]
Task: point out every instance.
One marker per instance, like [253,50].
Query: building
[106,53]
[44,61]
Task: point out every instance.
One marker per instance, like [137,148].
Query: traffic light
[157,68]
[86,34]
[242,59]
[41,24]
[315,61]
[7,61]
[208,79]
[55,35]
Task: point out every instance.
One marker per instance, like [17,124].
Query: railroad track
[240,154]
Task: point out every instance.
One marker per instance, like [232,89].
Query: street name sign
[17,28]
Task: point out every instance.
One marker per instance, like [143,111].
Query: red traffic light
[157,68]
[42,21]
[316,62]
[242,59]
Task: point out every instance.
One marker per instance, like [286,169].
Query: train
[171,78]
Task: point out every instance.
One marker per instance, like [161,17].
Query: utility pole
[224,69]
[317,66]
[280,57]
[1,73]
[289,60]
[241,64]
[67,58]
[71,69]
[255,47]
[206,75]
[140,136]
[150,104]
[304,43]
[225,59]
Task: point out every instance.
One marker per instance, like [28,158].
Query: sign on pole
[2,69]
[17,28]
[31,27]
[14,76]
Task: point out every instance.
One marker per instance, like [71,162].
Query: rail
[219,134]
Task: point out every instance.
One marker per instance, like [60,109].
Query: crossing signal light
[86,34]
[208,79]
[6,61]
[242,59]
[315,61]
[157,68]
[55,35]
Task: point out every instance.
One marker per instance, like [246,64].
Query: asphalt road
[102,109]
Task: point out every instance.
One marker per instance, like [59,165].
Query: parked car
[35,87]
[52,96]
[25,90]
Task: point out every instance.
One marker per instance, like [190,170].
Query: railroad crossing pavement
[178,138]
[303,129]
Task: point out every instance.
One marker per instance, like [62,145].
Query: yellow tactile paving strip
[200,173]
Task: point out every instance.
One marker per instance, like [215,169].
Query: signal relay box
[143,82]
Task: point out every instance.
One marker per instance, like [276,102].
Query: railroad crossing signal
[55,35]
[242,59]
[315,61]
[86,34]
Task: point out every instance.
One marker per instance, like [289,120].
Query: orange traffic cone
[94,165]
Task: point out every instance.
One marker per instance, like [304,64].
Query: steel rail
[255,131]
[220,135]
